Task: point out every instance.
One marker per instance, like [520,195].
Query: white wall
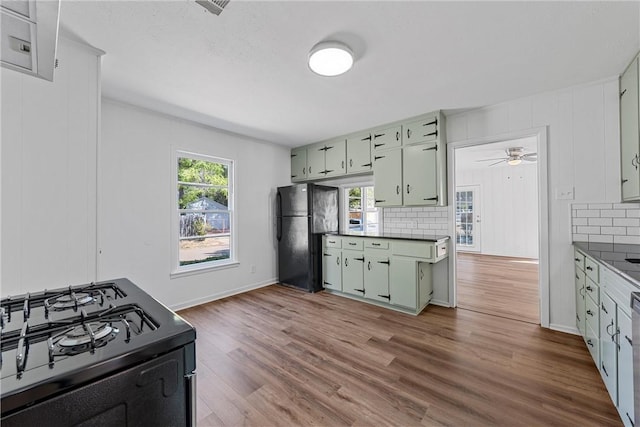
[508,213]
[135,186]
[49,134]
[583,152]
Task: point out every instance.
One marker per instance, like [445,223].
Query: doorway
[497,229]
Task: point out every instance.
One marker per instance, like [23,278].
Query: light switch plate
[564,193]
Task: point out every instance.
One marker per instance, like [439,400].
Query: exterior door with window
[468,219]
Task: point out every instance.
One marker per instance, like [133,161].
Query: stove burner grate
[79,339]
[72,300]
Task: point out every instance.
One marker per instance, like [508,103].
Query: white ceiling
[245,71]
[474,157]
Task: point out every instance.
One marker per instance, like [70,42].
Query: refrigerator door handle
[278,216]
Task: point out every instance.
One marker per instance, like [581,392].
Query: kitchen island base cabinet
[392,273]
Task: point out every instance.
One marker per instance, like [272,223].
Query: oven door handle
[190,380]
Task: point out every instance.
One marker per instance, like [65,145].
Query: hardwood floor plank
[279,357]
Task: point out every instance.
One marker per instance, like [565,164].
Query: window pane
[355,192]
[202,172]
[204,250]
[192,197]
[355,204]
[355,221]
[201,225]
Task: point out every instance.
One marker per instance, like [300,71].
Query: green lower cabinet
[332,269]
[402,282]
[608,346]
[625,369]
[376,277]
[353,272]
[425,283]
[580,301]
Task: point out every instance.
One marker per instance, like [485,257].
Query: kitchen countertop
[613,255]
[427,238]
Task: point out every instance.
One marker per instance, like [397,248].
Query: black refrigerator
[304,212]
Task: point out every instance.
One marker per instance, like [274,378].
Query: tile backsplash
[606,222]
[423,221]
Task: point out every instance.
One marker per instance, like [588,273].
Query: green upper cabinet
[387,178]
[419,177]
[335,158]
[384,139]
[298,164]
[359,153]
[423,130]
[315,161]
[630,133]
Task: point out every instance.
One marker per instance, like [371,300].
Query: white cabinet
[608,347]
[630,133]
[359,153]
[332,268]
[298,164]
[387,177]
[419,176]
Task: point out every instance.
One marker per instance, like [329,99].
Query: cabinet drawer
[579,260]
[333,242]
[592,290]
[592,269]
[441,249]
[376,244]
[592,314]
[386,138]
[353,244]
[593,344]
[618,288]
[413,249]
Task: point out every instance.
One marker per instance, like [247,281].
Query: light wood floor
[501,286]
[280,357]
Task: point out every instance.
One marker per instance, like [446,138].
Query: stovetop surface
[46,349]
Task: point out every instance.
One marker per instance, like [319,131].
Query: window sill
[204,269]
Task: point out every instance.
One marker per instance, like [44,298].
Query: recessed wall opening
[496,229]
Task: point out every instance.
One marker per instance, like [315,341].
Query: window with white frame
[204,214]
[362,214]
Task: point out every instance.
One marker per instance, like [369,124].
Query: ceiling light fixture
[514,161]
[330,58]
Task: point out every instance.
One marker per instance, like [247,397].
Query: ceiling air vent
[213,6]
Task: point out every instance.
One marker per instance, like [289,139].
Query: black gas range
[105,353]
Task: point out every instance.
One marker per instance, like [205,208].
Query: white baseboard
[224,294]
[440,303]
[564,328]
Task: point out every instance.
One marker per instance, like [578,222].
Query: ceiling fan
[515,156]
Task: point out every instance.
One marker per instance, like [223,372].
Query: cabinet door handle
[576,259]
[626,337]
[397,189]
[304,171]
[380,201]
[328,148]
[326,254]
[329,171]
[408,133]
[293,176]
[421,274]
[293,155]
[352,243]
[624,180]
[604,370]
[398,136]
[350,163]
[369,266]
[608,326]
[408,189]
[385,296]
[375,244]
[346,262]
[590,313]
[589,343]
[589,288]
[603,308]
[581,291]
[634,162]
[378,135]
[367,138]
[589,268]
[577,277]
[622,93]
[309,169]
[342,164]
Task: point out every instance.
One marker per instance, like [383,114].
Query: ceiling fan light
[514,161]
[330,59]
